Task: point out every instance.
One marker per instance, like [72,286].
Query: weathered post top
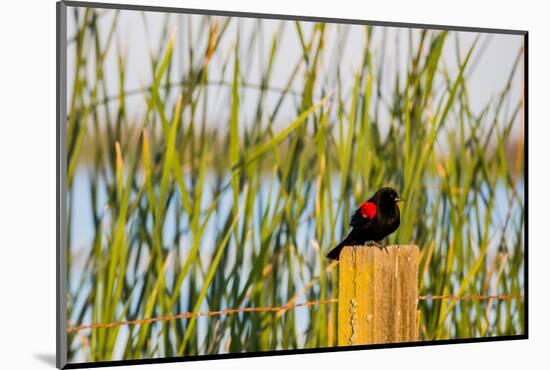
[378,295]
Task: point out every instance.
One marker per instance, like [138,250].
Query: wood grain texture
[378,295]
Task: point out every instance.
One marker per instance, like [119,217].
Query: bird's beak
[398,199]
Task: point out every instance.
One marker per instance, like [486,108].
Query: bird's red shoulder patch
[368,210]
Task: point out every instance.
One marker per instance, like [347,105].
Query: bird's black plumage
[375,219]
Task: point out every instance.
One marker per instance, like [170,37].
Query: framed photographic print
[235,184]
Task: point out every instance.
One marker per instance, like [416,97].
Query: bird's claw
[384,247]
[372,243]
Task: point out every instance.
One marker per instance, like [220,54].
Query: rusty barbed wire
[309,304]
[468,297]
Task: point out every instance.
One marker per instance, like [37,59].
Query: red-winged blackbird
[375,219]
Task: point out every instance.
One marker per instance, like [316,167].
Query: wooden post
[378,295]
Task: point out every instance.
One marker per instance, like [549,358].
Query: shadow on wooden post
[378,295]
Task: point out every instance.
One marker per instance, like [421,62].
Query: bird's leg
[372,243]
[384,246]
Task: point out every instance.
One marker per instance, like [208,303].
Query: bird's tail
[334,253]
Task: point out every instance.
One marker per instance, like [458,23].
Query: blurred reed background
[213,162]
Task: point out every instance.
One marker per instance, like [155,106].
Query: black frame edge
[182,359]
[292,17]
[526,178]
[61,117]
